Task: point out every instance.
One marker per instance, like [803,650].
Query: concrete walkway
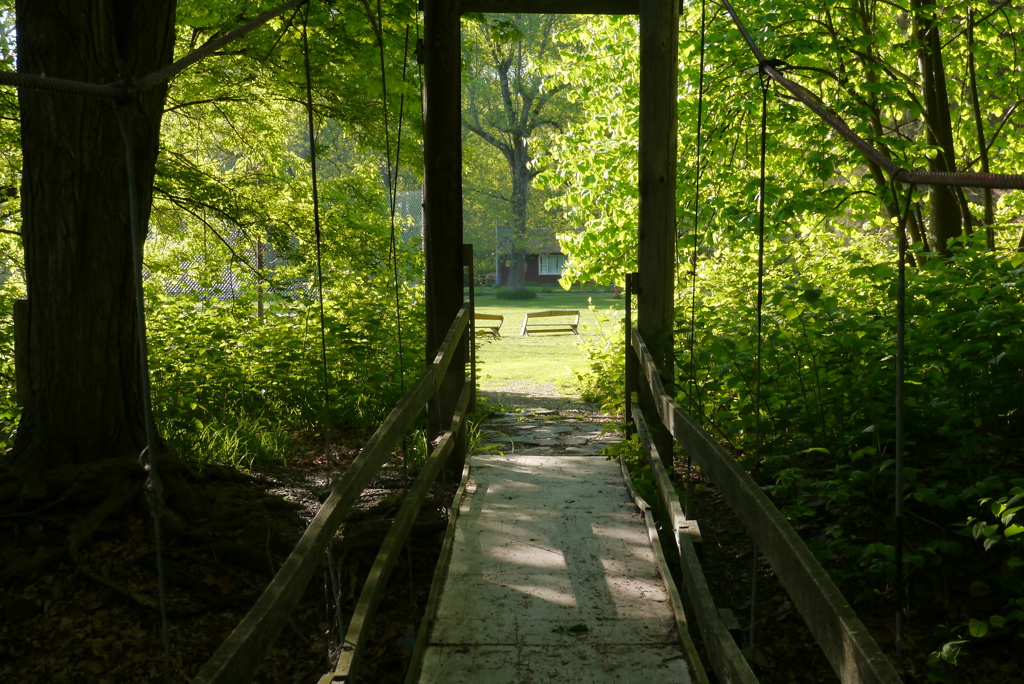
[552,576]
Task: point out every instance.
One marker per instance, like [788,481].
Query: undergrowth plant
[229,387]
[10,290]
[827,392]
[505,293]
[603,379]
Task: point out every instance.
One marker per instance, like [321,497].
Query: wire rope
[394,203]
[694,398]
[318,234]
[752,641]
[124,89]
[48,84]
[392,173]
[211,46]
[901,362]
[760,266]
[147,458]
[393,176]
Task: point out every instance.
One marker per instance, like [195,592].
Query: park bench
[539,322]
[488,324]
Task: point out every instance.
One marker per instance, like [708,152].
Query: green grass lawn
[539,358]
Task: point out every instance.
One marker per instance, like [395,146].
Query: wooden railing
[850,649]
[240,655]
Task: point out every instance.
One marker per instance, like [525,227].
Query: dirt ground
[96,617]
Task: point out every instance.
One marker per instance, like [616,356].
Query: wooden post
[659,50]
[631,374]
[442,200]
[467,258]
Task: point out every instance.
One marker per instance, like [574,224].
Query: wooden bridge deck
[552,575]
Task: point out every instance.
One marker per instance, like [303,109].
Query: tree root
[83,530]
[48,515]
[123,590]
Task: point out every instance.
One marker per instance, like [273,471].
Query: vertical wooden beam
[659,50]
[467,258]
[442,197]
[631,370]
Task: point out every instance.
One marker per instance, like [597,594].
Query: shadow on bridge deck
[552,577]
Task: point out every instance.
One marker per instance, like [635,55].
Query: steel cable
[147,458]
[393,175]
[113,91]
[901,361]
[311,124]
[696,227]
[752,641]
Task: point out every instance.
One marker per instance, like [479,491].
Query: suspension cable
[393,175]
[394,206]
[901,361]
[48,84]
[147,458]
[694,398]
[318,234]
[311,125]
[211,46]
[752,639]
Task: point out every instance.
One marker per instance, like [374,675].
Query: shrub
[526,293]
[223,380]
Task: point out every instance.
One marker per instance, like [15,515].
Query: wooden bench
[532,324]
[491,324]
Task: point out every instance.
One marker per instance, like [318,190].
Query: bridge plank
[551,579]
[682,625]
[440,575]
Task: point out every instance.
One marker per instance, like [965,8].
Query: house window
[551,264]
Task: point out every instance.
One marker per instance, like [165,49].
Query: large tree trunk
[83,400]
[945,220]
[516,272]
[518,162]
